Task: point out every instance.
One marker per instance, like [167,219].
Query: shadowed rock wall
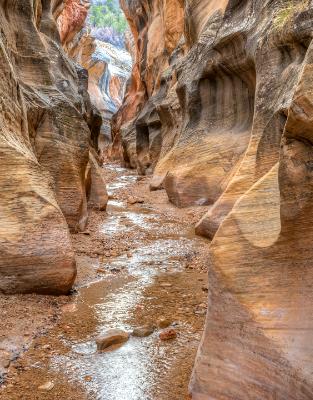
[44,142]
[229,127]
[156,27]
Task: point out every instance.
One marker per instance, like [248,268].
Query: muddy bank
[137,263]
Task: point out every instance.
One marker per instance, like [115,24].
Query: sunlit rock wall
[228,126]
[44,145]
[108,66]
[109,69]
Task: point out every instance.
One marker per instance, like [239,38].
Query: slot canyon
[156,185]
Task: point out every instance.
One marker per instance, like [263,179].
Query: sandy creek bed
[136,263]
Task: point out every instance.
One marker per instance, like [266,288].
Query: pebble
[132,200]
[110,338]
[47,386]
[143,331]
[168,334]
[164,322]
[5,359]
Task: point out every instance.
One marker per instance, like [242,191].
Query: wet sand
[136,263]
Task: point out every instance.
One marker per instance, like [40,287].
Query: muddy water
[132,289]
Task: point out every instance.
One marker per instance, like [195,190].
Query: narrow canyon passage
[128,127]
[137,263]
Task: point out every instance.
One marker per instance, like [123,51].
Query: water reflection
[136,370]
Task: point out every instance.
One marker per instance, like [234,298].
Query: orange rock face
[108,71]
[44,146]
[156,29]
[72,18]
[227,124]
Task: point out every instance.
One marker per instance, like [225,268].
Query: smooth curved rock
[44,143]
[111,338]
[97,194]
[229,127]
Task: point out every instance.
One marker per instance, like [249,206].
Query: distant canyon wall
[219,110]
[108,66]
[46,124]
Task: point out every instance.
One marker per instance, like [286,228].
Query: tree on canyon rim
[107,21]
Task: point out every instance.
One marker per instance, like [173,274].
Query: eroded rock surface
[44,142]
[108,69]
[227,125]
[108,66]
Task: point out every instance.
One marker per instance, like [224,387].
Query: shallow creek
[131,289]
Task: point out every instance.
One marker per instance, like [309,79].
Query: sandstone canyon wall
[108,66]
[219,110]
[46,123]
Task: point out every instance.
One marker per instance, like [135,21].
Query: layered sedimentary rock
[108,66]
[44,117]
[157,28]
[71,19]
[229,126]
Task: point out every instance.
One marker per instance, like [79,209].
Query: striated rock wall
[108,69]
[228,125]
[157,27]
[44,146]
[108,66]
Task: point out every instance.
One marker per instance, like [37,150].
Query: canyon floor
[137,262]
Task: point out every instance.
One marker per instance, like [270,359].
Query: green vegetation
[107,13]
[287,13]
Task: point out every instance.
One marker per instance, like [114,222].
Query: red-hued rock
[168,334]
[71,19]
[223,120]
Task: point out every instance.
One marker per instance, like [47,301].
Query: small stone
[88,378]
[5,359]
[101,271]
[47,386]
[133,200]
[143,331]
[168,334]
[110,338]
[163,322]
